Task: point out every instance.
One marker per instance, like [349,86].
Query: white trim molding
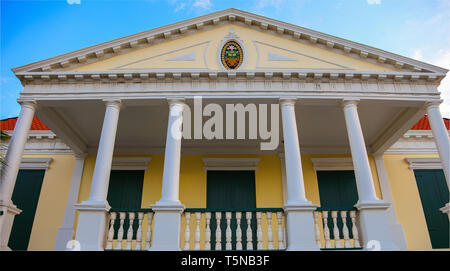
[344,163]
[230,163]
[424,162]
[130,163]
[36,163]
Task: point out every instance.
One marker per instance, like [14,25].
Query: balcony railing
[332,233]
[129,229]
[233,229]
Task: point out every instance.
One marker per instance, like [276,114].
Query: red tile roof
[8,124]
[423,124]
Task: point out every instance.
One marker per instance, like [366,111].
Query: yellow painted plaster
[205,46]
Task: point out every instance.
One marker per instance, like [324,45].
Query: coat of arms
[231,55]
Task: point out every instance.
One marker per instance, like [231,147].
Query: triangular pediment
[195,44]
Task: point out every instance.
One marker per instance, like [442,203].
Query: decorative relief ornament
[232,52]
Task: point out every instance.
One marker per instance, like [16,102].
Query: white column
[169,208]
[374,220]
[440,135]
[65,232]
[299,211]
[92,212]
[10,170]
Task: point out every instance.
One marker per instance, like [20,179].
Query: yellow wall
[406,199]
[269,193]
[52,202]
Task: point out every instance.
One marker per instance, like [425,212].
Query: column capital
[288,101]
[80,156]
[349,102]
[27,103]
[113,103]
[431,104]
[175,101]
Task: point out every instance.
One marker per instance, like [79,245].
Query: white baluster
[238,231]
[139,232]
[337,240]
[259,231]
[228,231]
[131,217]
[208,231]
[198,215]
[111,230]
[148,236]
[218,231]
[354,229]
[345,230]
[187,232]
[280,230]
[326,231]
[120,231]
[317,229]
[269,230]
[248,216]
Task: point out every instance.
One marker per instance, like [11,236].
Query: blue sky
[36,30]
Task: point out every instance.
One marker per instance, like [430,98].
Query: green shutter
[231,190]
[125,191]
[434,195]
[337,190]
[25,196]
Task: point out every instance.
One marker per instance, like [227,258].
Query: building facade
[227,131]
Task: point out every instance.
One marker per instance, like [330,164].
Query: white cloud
[71,2]
[203,4]
[418,54]
[373,2]
[442,59]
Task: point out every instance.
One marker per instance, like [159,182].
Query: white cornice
[230,163]
[35,163]
[268,75]
[424,163]
[171,31]
[332,163]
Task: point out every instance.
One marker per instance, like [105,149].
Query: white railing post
[337,241]
[187,232]
[139,232]
[198,216]
[248,216]
[354,229]
[208,231]
[238,231]
[317,229]
[111,230]
[148,236]
[131,216]
[120,231]
[218,231]
[345,229]
[280,231]
[269,231]
[228,231]
[259,231]
[326,231]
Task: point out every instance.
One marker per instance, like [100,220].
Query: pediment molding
[233,16]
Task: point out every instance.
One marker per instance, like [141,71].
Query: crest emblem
[232,55]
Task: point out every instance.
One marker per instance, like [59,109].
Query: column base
[300,226]
[9,211]
[446,209]
[63,237]
[166,230]
[374,225]
[91,227]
